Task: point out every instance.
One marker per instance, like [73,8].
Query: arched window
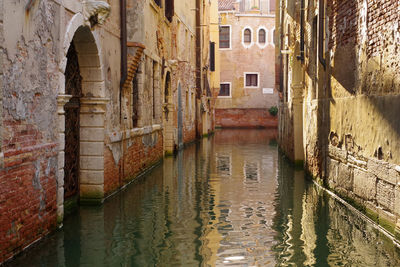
[247,36]
[261,36]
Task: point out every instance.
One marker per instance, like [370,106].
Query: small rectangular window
[251,80]
[224,37]
[212,56]
[225,90]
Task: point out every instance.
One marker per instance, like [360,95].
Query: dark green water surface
[231,200]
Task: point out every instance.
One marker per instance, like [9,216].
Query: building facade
[93,93]
[339,99]
[247,64]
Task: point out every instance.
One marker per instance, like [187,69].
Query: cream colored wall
[214,37]
[240,59]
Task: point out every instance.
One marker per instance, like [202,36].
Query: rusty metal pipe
[124,53]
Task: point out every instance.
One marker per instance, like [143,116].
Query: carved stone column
[61,101]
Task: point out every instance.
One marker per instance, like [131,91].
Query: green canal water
[231,200]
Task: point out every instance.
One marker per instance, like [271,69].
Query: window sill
[224,97]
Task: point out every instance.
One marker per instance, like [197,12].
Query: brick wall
[247,118]
[28,188]
[141,153]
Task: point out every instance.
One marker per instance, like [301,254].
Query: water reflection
[231,200]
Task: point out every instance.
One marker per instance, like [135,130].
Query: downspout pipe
[321,15]
[124,70]
[301,56]
[124,53]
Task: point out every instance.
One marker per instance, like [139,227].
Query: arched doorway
[73,88]
[82,107]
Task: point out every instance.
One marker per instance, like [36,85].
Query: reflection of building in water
[223,165]
[316,230]
[251,171]
[245,176]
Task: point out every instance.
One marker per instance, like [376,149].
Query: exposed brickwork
[248,118]
[140,153]
[27,190]
[343,22]
[382,16]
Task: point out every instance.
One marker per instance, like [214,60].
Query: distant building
[247,49]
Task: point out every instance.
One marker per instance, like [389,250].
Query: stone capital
[61,101]
[95,12]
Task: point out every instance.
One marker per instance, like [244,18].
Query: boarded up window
[261,36]
[252,80]
[225,89]
[224,37]
[247,36]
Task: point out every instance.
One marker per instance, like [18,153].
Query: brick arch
[92,113]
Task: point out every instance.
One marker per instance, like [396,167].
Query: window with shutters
[212,56]
[169,9]
[225,36]
[262,36]
[225,90]
[251,79]
[247,36]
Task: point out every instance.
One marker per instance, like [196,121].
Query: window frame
[248,45]
[230,90]
[262,45]
[230,38]
[245,79]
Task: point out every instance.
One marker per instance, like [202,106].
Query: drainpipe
[198,65]
[301,56]
[124,70]
[321,15]
[124,53]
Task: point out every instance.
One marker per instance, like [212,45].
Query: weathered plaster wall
[29,129]
[351,127]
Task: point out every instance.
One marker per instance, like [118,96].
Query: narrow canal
[229,200]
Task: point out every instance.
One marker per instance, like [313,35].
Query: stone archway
[92,103]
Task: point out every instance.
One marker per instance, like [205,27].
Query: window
[261,36]
[225,37]
[212,56]
[251,79]
[158,2]
[272,6]
[247,36]
[273,37]
[225,90]
[169,9]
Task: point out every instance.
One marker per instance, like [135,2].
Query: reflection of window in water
[224,165]
[251,171]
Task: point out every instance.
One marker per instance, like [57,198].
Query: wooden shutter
[212,56]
